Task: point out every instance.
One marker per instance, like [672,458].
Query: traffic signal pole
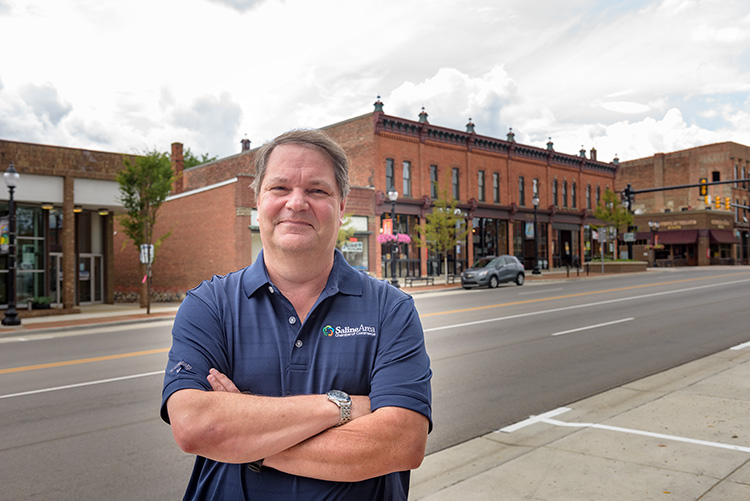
[628,195]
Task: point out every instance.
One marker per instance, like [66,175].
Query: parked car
[492,270]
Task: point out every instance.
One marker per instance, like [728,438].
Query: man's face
[299,206]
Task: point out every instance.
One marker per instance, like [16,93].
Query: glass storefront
[490,237]
[39,256]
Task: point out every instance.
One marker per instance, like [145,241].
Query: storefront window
[30,253]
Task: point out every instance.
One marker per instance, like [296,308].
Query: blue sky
[628,78]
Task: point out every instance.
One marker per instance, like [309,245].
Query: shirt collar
[343,278]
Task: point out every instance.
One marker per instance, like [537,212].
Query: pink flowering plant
[401,238]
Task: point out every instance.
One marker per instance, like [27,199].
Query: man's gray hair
[311,138]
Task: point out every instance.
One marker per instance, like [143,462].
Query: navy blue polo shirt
[362,336]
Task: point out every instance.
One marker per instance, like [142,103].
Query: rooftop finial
[378,105]
[423,116]
[470,127]
[511,135]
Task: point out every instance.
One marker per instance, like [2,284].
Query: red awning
[673,237]
[723,237]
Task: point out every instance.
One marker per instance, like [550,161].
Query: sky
[629,78]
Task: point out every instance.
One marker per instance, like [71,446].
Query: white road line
[587,305]
[78,385]
[741,346]
[533,419]
[648,434]
[546,418]
[593,326]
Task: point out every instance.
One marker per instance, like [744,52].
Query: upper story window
[521,191]
[455,180]
[565,193]
[716,176]
[598,195]
[407,178]
[480,185]
[433,181]
[555,196]
[496,187]
[573,201]
[389,186]
[588,196]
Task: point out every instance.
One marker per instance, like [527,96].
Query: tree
[144,185]
[612,213]
[191,160]
[443,228]
[345,231]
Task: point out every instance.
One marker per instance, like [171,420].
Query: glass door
[90,278]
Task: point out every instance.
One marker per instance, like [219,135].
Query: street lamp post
[536,271]
[392,196]
[11,314]
[654,225]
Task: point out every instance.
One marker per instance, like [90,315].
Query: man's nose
[297,200]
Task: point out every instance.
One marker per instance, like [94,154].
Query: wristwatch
[344,402]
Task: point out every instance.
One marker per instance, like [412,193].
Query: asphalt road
[79,411]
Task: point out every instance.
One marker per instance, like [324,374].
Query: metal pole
[11,314]
[394,245]
[536,270]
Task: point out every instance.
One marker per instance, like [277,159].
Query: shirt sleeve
[198,344]
[401,375]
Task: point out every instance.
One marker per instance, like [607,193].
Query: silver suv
[492,270]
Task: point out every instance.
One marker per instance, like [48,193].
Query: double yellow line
[580,294]
[447,312]
[82,361]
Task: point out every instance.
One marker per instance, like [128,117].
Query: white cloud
[629,78]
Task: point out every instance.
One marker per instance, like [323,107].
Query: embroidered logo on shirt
[348,331]
[179,366]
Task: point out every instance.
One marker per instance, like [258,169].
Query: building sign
[352,247]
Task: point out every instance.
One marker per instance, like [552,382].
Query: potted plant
[40,303]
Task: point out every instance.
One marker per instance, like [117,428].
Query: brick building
[211,215]
[65,201]
[692,229]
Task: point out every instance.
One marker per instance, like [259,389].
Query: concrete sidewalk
[683,434]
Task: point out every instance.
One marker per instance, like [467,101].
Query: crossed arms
[296,435]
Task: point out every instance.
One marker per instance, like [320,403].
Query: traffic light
[728,203]
[704,188]
[707,199]
[718,202]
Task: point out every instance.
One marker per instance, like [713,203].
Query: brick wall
[686,167]
[202,243]
[46,160]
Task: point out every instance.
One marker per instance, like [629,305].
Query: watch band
[344,403]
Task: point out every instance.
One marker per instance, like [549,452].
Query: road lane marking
[574,307]
[82,361]
[593,326]
[546,418]
[583,294]
[533,419]
[78,385]
[741,346]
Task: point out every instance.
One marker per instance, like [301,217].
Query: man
[299,377]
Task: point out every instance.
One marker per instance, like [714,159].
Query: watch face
[339,395]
